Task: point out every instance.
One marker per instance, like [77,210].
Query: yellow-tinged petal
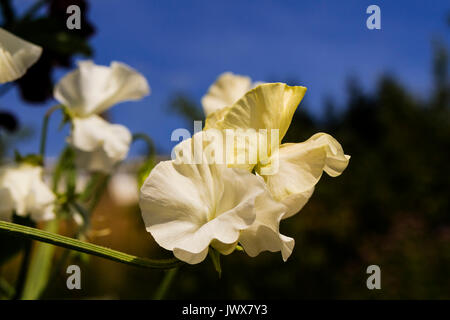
[300,166]
[255,125]
[268,106]
[225,91]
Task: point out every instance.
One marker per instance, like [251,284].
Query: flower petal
[268,106]
[99,144]
[40,201]
[300,166]
[264,234]
[16,56]
[92,89]
[22,191]
[225,91]
[189,206]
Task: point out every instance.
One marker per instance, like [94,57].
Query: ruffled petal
[188,206]
[268,106]
[92,89]
[225,91]
[300,166]
[40,200]
[256,123]
[264,234]
[22,191]
[16,56]
[99,144]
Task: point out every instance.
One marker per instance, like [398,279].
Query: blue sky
[185,45]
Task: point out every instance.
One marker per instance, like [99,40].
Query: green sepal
[32,159]
[215,258]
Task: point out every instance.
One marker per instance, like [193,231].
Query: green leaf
[90,248]
[40,266]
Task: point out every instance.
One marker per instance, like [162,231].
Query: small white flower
[124,189]
[16,56]
[188,207]
[92,89]
[226,90]
[99,145]
[23,192]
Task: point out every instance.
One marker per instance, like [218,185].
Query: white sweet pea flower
[225,91]
[23,192]
[189,207]
[92,89]
[124,189]
[300,168]
[16,56]
[290,170]
[99,144]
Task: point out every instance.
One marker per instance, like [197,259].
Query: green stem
[40,266]
[100,190]
[148,141]
[85,215]
[165,284]
[215,257]
[44,130]
[69,243]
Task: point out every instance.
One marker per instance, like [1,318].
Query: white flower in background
[99,145]
[124,189]
[92,89]
[88,91]
[226,90]
[300,165]
[16,56]
[188,207]
[23,192]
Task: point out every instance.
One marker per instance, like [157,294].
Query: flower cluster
[231,196]
[189,206]
[85,94]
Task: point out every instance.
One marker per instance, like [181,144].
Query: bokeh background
[383,94]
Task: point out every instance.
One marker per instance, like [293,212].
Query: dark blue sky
[185,45]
